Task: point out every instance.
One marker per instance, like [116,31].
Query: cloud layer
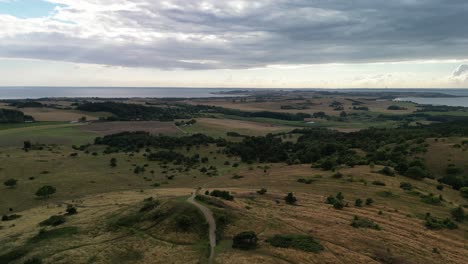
[238,34]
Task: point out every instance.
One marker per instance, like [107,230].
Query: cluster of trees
[222,194]
[14,116]
[390,147]
[396,107]
[127,112]
[185,123]
[122,111]
[27,103]
[134,141]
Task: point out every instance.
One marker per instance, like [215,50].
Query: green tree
[369,201]
[290,199]
[10,183]
[45,191]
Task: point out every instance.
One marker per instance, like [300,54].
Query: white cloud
[461,70]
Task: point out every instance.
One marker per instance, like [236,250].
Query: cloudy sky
[234,43]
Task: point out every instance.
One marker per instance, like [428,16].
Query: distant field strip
[62,133]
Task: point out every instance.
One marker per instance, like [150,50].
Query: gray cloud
[245,34]
[461,70]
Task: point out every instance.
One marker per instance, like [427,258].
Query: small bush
[464,192]
[387,171]
[431,199]
[305,181]
[379,183]
[369,201]
[149,204]
[54,233]
[10,217]
[330,199]
[337,175]
[406,186]
[300,242]
[262,191]
[359,222]
[245,240]
[222,194]
[338,204]
[435,223]
[358,203]
[71,210]
[54,220]
[290,199]
[458,214]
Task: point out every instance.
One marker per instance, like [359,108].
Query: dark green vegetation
[396,148]
[246,240]
[296,241]
[435,223]
[361,222]
[13,116]
[127,112]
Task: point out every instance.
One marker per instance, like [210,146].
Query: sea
[169,92]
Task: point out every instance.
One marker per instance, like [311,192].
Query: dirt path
[211,222]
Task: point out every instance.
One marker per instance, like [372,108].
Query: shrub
[245,240]
[300,242]
[71,210]
[330,199]
[337,175]
[406,186]
[416,173]
[10,183]
[305,181]
[387,171]
[440,187]
[339,196]
[379,183]
[10,217]
[338,204]
[262,191]
[149,204]
[458,214]
[184,222]
[435,223]
[113,162]
[359,222]
[45,191]
[222,194]
[358,203]
[431,199]
[464,192]
[369,201]
[54,220]
[290,199]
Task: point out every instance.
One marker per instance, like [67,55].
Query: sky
[235,43]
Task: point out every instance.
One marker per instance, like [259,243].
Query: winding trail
[211,222]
